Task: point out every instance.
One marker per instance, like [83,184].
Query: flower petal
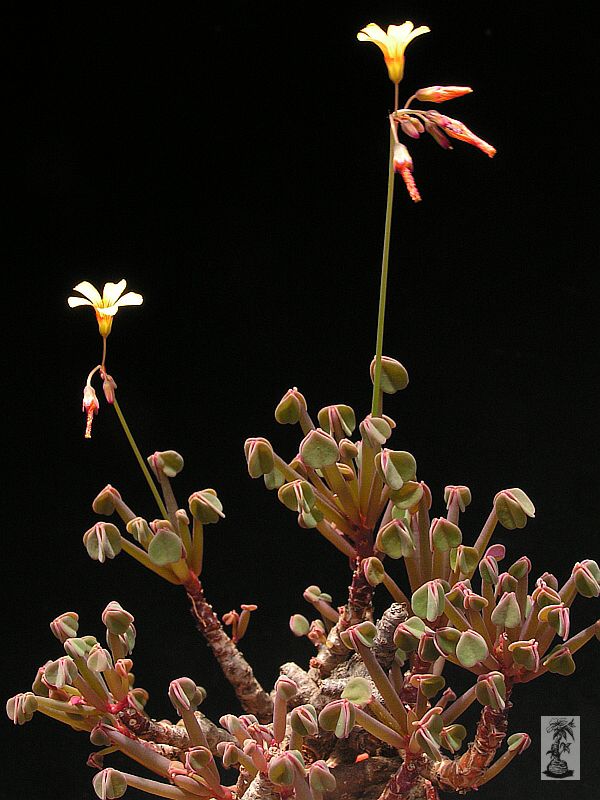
[373,33]
[417,32]
[78,301]
[109,311]
[89,291]
[130,299]
[112,292]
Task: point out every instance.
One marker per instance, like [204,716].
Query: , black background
[230,161]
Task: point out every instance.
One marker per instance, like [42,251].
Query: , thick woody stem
[261,788]
[462,773]
[366,779]
[408,784]
[358,608]
[383,647]
[252,696]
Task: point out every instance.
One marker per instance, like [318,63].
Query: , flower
[392,44]
[107,305]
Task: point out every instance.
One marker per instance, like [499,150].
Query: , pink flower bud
[108,387]
[457,130]
[403,164]
[439,94]
[436,133]
[89,407]
[411,126]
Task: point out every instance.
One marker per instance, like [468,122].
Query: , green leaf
[452,737]
[373,570]
[259,456]
[520,568]
[116,618]
[198,758]
[428,602]
[471,648]
[427,650]
[518,741]
[446,640]
[408,496]
[169,461]
[109,784]
[299,625]
[79,646]
[319,449]
[395,467]
[290,407]
[341,415]
[444,534]
[507,612]
[394,376]
[586,576]
[408,634]
[303,720]
[104,502]
[375,430]
[297,496]
[358,691]
[428,684]
[560,661]
[320,778]
[363,632]
[205,506]
[395,540]
[281,771]
[462,494]
[102,541]
[165,548]
[310,519]
[490,690]
[512,508]
[21,708]
[274,479]
[467,559]
[339,717]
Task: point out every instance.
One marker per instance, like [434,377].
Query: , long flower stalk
[140,460]
[376,405]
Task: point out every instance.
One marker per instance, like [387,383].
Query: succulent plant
[373,688]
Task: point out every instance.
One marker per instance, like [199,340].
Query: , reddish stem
[358,608]
[236,669]
[485,535]
[360,599]
[454,710]
[462,773]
